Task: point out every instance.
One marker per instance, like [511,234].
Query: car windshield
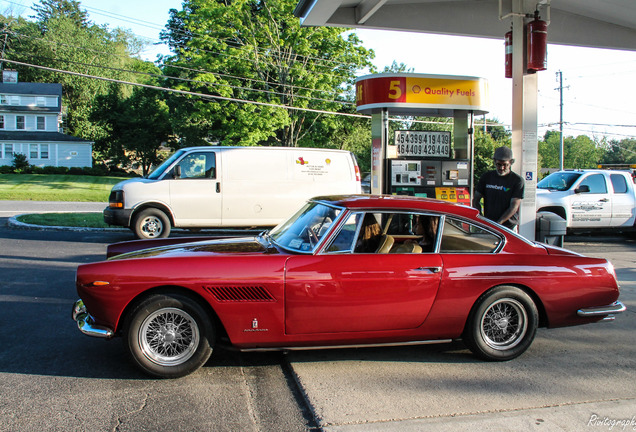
[161,168]
[303,231]
[559,181]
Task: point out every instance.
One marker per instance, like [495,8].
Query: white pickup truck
[589,198]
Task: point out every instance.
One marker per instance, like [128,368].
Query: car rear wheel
[502,324]
[169,336]
[151,223]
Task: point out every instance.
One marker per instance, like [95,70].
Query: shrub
[21,163]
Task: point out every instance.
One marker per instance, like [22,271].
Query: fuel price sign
[423,143]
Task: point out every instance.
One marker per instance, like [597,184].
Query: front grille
[240,293]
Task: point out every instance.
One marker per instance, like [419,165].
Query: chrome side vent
[240,293]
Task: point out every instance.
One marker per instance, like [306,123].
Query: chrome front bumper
[86,323]
[607,311]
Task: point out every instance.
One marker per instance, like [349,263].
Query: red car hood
[224,246]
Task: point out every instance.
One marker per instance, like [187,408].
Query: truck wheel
[151,223]
[502,325]
[169,335]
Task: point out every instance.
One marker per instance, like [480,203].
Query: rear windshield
[559,181]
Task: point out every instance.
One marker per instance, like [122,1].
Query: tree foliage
[255,50]
[63,38]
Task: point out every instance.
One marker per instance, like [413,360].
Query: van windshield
[161,168]
[559,181]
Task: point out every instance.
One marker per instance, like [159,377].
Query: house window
[1,122]
[38,151]
[4,100]
[41,123]
[7,151]
[19,122]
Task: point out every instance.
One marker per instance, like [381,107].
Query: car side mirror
[582,189]
[176,174]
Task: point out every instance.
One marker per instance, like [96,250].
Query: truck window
[596,182]
[198,165]
[619,183]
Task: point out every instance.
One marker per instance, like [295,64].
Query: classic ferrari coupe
[343,271]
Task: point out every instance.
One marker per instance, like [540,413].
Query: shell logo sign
[421,92]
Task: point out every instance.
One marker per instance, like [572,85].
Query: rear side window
[619,183]
[596,182]
[462,237]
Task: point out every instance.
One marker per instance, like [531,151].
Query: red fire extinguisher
[508,48]
[537,44]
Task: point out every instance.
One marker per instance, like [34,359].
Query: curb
[13,222]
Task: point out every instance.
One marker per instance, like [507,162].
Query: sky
[599,94]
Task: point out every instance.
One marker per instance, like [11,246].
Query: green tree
[137,126]
[51,9]
[62,38]
[255,50]
[578,153]
[620,152]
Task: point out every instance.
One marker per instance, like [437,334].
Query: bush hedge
[97,170]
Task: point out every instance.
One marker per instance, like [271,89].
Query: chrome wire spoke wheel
[504,324]
[169,337]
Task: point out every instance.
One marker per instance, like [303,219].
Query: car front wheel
[151,223]
[502,325]
[169,336]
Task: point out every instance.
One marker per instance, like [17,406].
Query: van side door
[195,196]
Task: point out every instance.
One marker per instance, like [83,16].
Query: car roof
[380,202]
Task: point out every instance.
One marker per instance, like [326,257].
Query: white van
[201,187]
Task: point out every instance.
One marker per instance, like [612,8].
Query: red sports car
[343,271]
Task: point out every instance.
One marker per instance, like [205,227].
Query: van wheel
[151,223]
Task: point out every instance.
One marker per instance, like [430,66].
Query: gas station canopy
[590,23]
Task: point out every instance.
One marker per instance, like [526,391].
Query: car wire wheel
[169,337]
[504,324]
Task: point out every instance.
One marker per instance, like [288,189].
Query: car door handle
[218,187]
[430,269]
[604,200]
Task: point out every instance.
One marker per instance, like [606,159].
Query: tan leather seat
[405,248]
[386,243]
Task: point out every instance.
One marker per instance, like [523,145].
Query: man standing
[502,191]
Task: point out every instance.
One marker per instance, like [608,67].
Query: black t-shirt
[498,191]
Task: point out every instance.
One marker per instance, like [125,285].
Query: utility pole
[561,152]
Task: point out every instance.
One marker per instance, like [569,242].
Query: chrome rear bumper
[607,311]
[86,323]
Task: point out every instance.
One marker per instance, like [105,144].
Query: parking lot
[53,378]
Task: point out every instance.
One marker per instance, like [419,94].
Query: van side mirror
[582,189]
[176,174]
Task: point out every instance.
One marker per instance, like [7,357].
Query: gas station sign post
[422,163]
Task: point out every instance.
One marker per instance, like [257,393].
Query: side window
[198,166]
[463,237]
[596,182]
[619,183]
[344,240]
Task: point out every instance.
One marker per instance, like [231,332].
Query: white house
[30,118]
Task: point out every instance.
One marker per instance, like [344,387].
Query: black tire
[502,324]
[151,223]
[169,336]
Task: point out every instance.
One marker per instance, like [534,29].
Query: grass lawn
[84,220]
[43,187]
